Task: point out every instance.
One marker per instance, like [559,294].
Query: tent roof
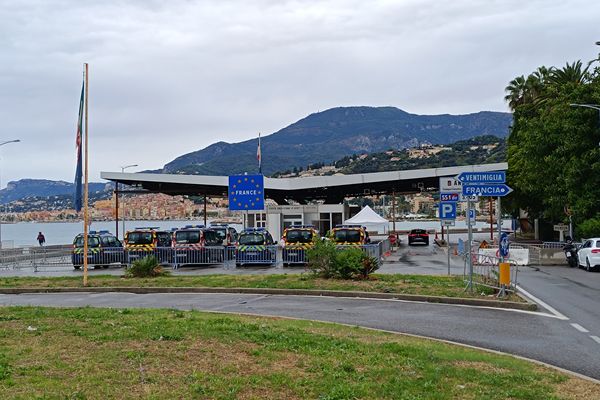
[367,216]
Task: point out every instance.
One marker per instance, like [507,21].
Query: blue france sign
[446,196]
[448,210]
[482,177]
[246,192]
[486,190]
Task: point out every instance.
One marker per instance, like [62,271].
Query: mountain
[17,190]
[332,134]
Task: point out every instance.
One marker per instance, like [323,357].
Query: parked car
[255,246]
[197,245]
[103,249]
[349,235]
[227,234]
[295,240]
[418,236]
[588,255]
[151,241]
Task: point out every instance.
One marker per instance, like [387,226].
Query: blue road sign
[504,244]
[482,177]
[448,210]
[246,192]
[446,196]
[472,214]
[486,190]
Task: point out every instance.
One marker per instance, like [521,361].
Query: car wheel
[105,266]
[285,265]
[238,264]
[77,266]
[588,268]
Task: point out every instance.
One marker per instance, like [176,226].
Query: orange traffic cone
[436,237]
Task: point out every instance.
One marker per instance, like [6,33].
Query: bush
[321,258]
[327,261]
[349,262]
[589,228]
[146,267]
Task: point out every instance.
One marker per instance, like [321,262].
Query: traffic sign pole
[448,250]
[499,222]
[469,245]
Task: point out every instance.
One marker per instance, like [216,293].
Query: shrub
[146,267]
[327,261]
[589,228]
[321,258]
[349,262]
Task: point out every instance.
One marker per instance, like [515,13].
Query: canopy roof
[367,216]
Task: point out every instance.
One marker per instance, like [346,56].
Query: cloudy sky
[170,77]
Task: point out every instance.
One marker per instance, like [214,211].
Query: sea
[24,234]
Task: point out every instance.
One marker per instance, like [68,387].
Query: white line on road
[579,328]
[548,307]
[596,338]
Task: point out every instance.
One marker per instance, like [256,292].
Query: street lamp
[2,144]
[123,168]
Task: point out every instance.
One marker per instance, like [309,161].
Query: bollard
[504,278]
[504,273]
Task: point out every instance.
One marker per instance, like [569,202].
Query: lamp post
[123,168]
[2,144]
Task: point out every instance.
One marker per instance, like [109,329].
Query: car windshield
[164,239]
[93,241]
[185,237]
[251,239]
[299,236]
[347,235]
[221,232]
[139,238]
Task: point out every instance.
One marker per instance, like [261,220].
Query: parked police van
[148,241]
[103,249]
[226,233]
[295,240]
[196,244]
[255,246]
[349,235]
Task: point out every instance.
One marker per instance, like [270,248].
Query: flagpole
[85,188]
[259,156]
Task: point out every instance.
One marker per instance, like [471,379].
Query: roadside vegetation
[553,150]
[86,353]
[452,286]
[325,260]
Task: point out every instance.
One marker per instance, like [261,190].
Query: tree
[553,152]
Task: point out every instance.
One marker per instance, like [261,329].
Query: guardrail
[229,256]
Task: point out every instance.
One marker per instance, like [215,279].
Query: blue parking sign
[447,210]
[246,192]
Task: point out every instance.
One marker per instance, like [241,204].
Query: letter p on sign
[448,210]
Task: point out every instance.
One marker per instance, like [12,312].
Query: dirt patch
[576,389]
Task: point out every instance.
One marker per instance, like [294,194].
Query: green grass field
[406,284]
[88,353]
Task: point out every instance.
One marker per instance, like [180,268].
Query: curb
[529,306]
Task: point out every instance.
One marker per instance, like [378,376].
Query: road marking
[580,328]
[548,307]
[596,339]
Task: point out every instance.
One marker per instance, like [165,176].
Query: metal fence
[50,257]
[486,270]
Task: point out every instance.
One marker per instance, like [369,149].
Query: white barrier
[518,256]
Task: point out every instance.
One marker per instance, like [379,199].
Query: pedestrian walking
[41,239]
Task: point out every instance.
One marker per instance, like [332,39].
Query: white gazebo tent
[370,219]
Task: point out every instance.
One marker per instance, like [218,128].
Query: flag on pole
[77,201]
[258,155]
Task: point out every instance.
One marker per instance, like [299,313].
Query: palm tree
[516,90]
[571,73]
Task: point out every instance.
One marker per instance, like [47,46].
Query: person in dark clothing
[41,239]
